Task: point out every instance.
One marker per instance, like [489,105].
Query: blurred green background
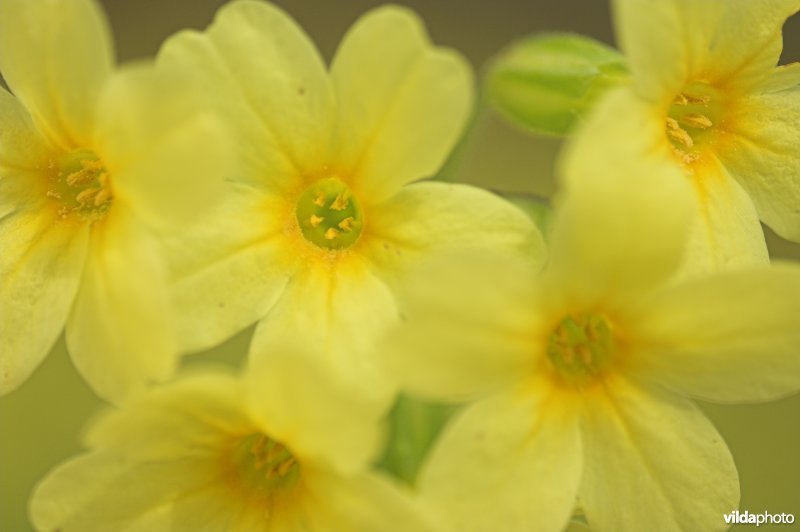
[41,422]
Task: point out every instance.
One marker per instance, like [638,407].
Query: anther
[340,203]
[347,224]
[331,233]
[675,131]
[86,196]
[81,177]
[696,121]
[102,197]
[316,220]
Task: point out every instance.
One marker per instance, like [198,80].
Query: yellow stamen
[340,203]
[316,220]
[331,233]
[347,224]
[696,121]
[675,131]
[78,178]
[102,197]
[87,195]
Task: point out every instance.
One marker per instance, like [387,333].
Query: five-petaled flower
[706,95]
[284,449]
[322,223]
[91,162]
[581,375]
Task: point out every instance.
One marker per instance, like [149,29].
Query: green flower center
[691,120]
[264,465]
[328,214]
[581,347]
[81,185]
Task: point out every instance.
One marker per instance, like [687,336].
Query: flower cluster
[155,210]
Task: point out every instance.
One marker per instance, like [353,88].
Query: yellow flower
[706,95]
[284,450]
[582,375]
[322,223]
[90,161]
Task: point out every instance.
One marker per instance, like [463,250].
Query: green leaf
[547,82]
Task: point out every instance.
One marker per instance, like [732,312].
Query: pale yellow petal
[217,508]
[199,413]
[402,102]
[658,47]
[468,323]
[264,73]
[726,235]
[98,492]
[672,42]
[21,146]
[763,155]
[55,56]
[366,503]
[299,396]
[621,224]
[654,448]
[510,462]
[228,271]
[166,155]
[40,270]
[341,308]
[431,217]
[731,338]
[120,332]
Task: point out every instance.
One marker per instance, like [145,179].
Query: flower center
[328,214]
[580,347]
[81,185]
[263,465]
[691,120]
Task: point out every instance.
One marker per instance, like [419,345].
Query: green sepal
[545,83]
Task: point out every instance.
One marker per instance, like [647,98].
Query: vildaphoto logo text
[739,518]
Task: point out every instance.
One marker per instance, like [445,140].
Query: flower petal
[367,503]
[763,154]
[165,154]
[727,234]
[21,146]
[462,334]
[732,338]
[657,44]
[340,308]
[659,450]
[430,217]
[279,100]
[622,223]
[120,332]
[227,272]
[507,462]
[402,103]
[298,396]
[102,491]
[667,43]
[55,56]
[40,270]
[200,412]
